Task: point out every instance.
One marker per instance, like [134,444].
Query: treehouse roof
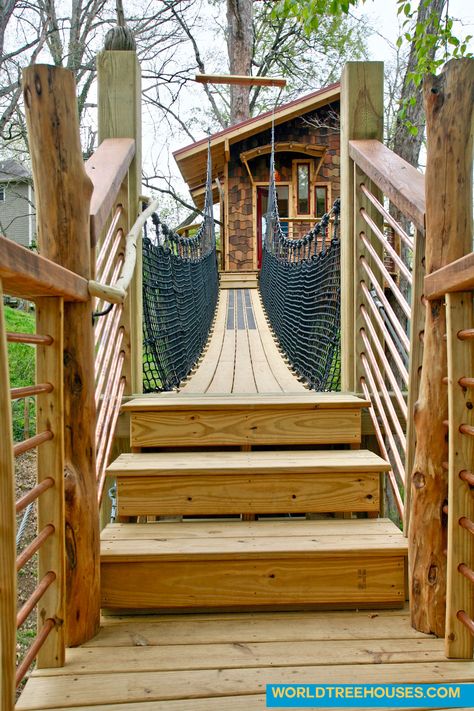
[191,159]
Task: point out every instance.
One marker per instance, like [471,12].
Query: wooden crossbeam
[239,79]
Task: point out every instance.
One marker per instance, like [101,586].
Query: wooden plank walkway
[212,662]
[242,355]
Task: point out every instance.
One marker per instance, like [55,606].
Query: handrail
[107,168]
[117,293]
[457,276]
[403,184]
[28,275]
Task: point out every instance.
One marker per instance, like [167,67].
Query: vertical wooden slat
[63,193]
[460,591]
[417,324]
[361,117]
[50,415]
[119,116]
[448,185]
[7,533]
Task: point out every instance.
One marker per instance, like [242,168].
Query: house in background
[17,211]
[307,161]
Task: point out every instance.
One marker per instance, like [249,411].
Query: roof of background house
[191,159]
[13,171]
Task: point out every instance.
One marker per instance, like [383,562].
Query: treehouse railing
[49,286]
[455,283]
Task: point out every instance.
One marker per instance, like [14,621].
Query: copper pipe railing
[30,390]
[32,442]
[111,257]
[386,245]
[33,494]
[34,546]
[108,340]
[466,382]
[104,248]
[109,352]
[467,430]
[100,304]
[31,654]
[34,339]
[467,524]
[388,217]
[114,371]
[108,406]
[390,282]
[466,476]
[466,334]
[466,620]
[388,432]
[388,309]
[35,597]
[113,423]
[383,389]
[383,450]
[467,572]
[387,337]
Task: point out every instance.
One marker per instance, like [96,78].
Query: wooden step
[238,280]
[200,483]
[252,565]
[172,419]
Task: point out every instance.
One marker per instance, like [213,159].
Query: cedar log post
[361,117]
[449,114]
[119,116]
[63,193]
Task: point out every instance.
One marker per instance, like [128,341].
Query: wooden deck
[222,662]
[242,356]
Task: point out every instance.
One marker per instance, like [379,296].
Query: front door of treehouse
[283,197]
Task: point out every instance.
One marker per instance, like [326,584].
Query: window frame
[327,186]
[296,163]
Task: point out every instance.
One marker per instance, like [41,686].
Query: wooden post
[119,116]
[63,193]
[448,185]
[7,533]
[49,415]
[361,117]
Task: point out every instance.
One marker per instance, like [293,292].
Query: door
[283,194]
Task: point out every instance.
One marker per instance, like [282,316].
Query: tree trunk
[240,48]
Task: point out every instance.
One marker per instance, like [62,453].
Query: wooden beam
[457,276]
[397,179]
[107,168]
[30,276]
[239,79]
[449,116]
[63,192]
[7,532]
[287,147]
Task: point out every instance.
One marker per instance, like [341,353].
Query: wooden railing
[455,283]
[27,275]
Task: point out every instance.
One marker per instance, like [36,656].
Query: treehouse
[291,500]
[307,162]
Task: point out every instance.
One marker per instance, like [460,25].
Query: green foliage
[310,13]
[21,359]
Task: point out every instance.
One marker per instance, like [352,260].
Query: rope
[180,288]
[300,287]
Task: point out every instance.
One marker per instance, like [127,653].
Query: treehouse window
[302,199]
[321,200]
[2,193]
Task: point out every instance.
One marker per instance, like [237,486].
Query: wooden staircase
[317,540]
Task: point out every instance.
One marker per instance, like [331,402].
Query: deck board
[242,356]
[222,662]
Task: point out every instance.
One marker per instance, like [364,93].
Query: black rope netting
[300,287]
[180,289]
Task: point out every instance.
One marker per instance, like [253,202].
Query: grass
[21,359]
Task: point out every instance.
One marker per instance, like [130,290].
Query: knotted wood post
[63,193]
[449,114]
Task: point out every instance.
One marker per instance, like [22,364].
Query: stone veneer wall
[240,219]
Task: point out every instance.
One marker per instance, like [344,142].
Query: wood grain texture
[403,184]
[63,192]
[244,426]
[456,276]
[107,168]
[50,458]
[361,118]
[460,591]
[29,275]
[449,115]
[7,531]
